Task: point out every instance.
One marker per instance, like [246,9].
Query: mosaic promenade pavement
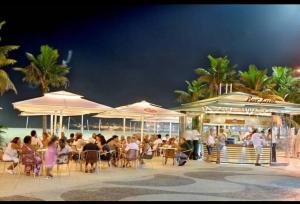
[196,181]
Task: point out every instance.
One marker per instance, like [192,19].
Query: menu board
[234,121]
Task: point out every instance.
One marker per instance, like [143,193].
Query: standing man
[188,136]
[196,138]
[257,143]
[274,142]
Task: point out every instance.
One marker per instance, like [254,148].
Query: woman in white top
[11,153]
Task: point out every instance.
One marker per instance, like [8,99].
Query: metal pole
[55,124]
[27,122]
[87,125]
[124,126]
[60,124]
[130,126]
[170,130]
[82,124]
[142,129]
[51,125]
[99,125]
[69,124]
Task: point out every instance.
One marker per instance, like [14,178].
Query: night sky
[127,53]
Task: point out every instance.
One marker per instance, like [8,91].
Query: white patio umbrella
[60,103]
[145,109]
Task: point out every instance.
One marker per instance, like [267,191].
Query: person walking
[257,143]
[51,156]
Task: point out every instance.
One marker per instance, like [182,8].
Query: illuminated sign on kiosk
[260,100]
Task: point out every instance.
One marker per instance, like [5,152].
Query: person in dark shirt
[90,156]
[184,149]
[71,140]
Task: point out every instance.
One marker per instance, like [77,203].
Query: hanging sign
[260,100]
[234,121]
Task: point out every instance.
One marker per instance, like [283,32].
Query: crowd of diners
[58,150]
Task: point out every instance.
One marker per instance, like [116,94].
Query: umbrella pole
[87,125]
[124,126]
[154,127]
[27,122]
[69,124]
[51,125]
[99,125]
[55,124]
[142,129]
[82,124]
[130,126]
[157,125]
[170,130]
[60,124]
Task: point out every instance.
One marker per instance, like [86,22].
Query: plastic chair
[188,153]
[90,156]
[131,156]
[110,153]
[149,158]
[169,154]
[66,162]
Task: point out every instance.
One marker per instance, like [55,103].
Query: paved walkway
[196,181]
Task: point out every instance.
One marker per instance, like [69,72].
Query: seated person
[104,147]
[11,153]
[90,157]
[45,139]
[146,151]
[157,142]
[79,142]
[130,146]
[63,151]
[36,143]
[30,159]
[183,151]
[71,139]
[114,145]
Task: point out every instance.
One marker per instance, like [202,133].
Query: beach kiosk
[237,113]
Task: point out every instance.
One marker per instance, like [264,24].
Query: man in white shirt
[274,134]
[63,150]
[257,143]
[35,141]
[131,145]
[157,142]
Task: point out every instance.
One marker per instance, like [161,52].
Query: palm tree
[44,71]
[286,85]
[257,82]
[219,71]
[5,82]
[195,91]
